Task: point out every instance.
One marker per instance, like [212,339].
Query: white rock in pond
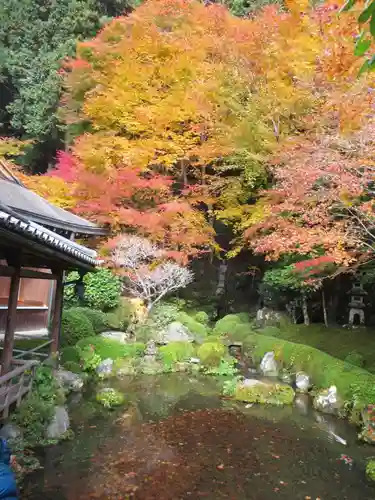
[195,360]
[268,365]
[327,401]
[69,381]
[114,335]
[176,332]
[302,382]
[251,382]
[105,368]
[59,424]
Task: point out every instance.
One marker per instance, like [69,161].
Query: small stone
[10,431]
[69,381]
[59,424]
[105,368]
[268,365]
[302,382]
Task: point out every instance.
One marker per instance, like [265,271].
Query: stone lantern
[356,304]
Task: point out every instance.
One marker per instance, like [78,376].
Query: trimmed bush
[98,318]
[235,327]
[110,398]
[75,326]
[175,352]
[70,354]
[274,394]
[107,348]
[121,317]
[370,470]
[211,353]
[102,289]
[202,317]
[73,367]
[196,328]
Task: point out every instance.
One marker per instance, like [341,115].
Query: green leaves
[362,45]
[367,13]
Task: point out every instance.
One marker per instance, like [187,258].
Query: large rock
[69,381]
[175,332]
[268,365]
[328,401]
[10,431]
[59,424]
[257,391]
[303,382]
[105,368]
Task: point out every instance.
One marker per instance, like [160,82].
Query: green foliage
[75,325]
[243,8]
[226,368]
[230,386]
[202,317]
[35,412]
[108,348]
[110,398]
[211,353]
[370,470]
[234,327]
[70,354]
[121,317]
[98,318]
[273,394]
[162,315]
[102,290]
[355,358]
[176,352]
[73,367]
[198,329]
[90,359]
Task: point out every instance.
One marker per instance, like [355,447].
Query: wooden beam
[27,273]
[57,311]
[6,361]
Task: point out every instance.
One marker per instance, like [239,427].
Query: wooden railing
[16,384]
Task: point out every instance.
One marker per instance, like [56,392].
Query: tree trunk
[324,305]
[305,311]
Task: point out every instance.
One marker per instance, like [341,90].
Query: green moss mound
[107,348]
[273,394]
[235,327]
[75,326]
[121,317]
[202,317]
[195,327]
[110,398]
[70,354]
[175,352]
[98,318]
[72,366]
[211,353]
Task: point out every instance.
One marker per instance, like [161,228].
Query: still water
[177,439]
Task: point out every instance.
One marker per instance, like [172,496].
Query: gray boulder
[59,424]
[303,382]
[270,317]
[328,401]
[69,381]
[10,431]
[176,332]
[105,368]
[268,365]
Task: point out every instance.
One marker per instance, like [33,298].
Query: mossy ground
[273,394]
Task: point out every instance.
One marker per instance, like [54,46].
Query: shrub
[370,470]
[196,328]
[102,289]
[202,317]
[75,326]
[274,394]
[354,358]
[226,368]
[73,367]
[230,386]
[175,352]
[110,398]
[90,359]
[108,348]
[98,318]
[235,327]
[121,317]
[70,354]
[211,353]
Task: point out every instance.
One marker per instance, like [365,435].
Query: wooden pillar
[10,327]
[57,310]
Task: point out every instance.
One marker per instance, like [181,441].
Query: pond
[178,439]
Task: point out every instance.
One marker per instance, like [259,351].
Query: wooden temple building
[36,248]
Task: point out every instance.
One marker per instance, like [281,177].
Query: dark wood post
[10,327]
[57,310]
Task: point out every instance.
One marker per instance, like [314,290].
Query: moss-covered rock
[235,327]
[198,329]
[211,353]
[202,317]
[176,352]
[110,398]
[254,391]
[124,367]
